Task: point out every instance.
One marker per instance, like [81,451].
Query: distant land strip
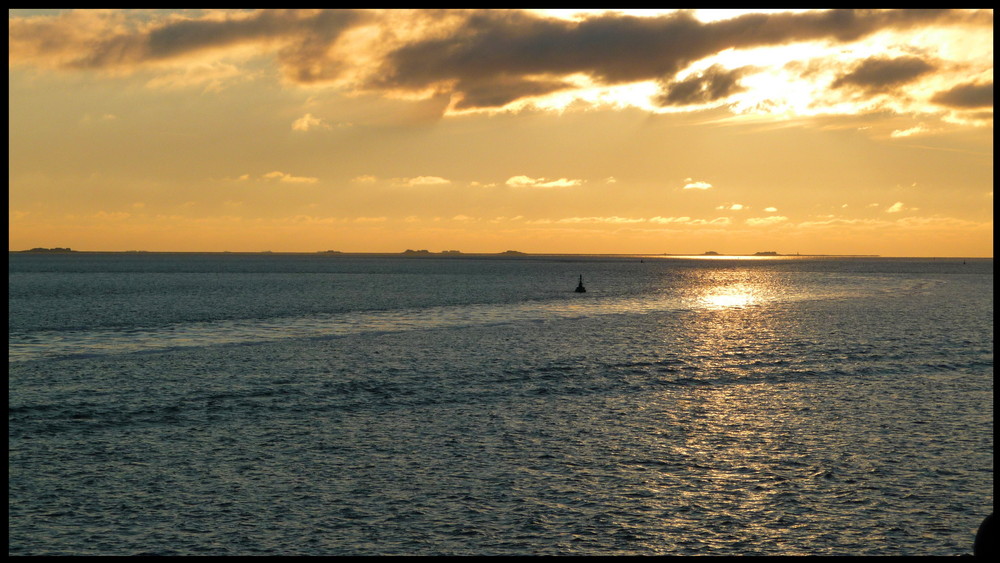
[424,253]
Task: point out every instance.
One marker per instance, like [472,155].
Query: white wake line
[53,344]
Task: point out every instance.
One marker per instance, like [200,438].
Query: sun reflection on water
[737,288]
[720,298]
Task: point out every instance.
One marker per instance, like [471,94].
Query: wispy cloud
[111,216]
[529,182]
[898,207]
[666,220]
[309,121]
[915,130]
[288,178]
[420,181]
[211,76]
[617,220]
[732,207]
[766,221]
[613,220]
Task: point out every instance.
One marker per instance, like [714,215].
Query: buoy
[580,288]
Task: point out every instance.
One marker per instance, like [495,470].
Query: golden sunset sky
[817,132]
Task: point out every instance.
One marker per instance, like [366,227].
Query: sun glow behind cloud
[789,81]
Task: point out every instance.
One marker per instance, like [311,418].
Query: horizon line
[457,253]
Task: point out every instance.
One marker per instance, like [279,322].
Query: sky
[674,132]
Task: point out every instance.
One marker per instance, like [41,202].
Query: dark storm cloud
[880,74]
[492,47]
[500,91]
[74,40]
[311,33]
[713,84]
[966,96]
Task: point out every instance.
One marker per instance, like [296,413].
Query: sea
[343,404]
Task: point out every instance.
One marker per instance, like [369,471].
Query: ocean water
[269,404]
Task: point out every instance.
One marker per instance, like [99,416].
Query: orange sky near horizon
[812,132]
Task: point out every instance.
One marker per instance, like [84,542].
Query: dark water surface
[346,405]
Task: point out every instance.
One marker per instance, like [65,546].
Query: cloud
[690,185]
[915,130]
[898,206]
[528,182]
[879,74]
[733,207]
[829,222]
[718,221]
[307,122]
[502,219]
[112,216]
[215,76]
[470,59]
[519,54]
[364,179]
[613,220]
[83,39]
[966,96]
[420,181]
[665,220]
[617,220]
[765,221]
[712,84]
[500,91]
[288,178]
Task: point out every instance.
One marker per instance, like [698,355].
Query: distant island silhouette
[425,252]
[773,253]
[57,250]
